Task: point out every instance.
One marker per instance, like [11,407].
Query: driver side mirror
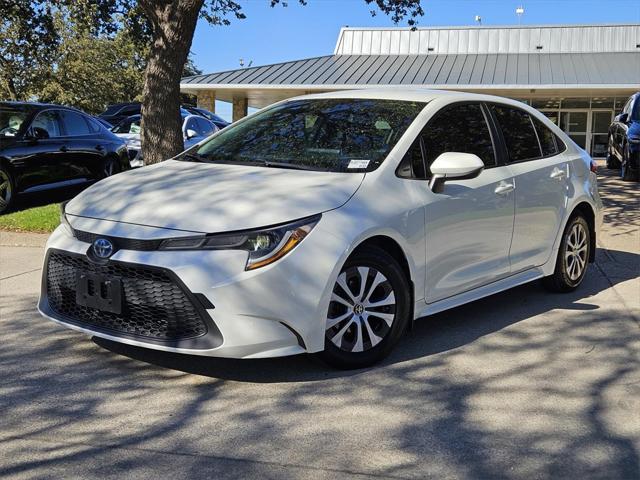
[454,166]
[191,133]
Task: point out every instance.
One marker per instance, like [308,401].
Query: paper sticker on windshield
[358,164]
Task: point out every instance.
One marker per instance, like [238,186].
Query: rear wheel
[369,310]
[6,189]
[573,257]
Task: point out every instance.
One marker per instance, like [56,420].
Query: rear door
[470,223]
[85,146]
[541,181]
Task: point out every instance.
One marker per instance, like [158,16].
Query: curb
[23,239]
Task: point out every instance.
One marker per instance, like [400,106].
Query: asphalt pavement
[523,384]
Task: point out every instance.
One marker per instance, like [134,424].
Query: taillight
[594,166]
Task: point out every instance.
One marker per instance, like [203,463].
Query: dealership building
[577,75]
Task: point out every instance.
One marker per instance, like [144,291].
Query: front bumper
[273,311]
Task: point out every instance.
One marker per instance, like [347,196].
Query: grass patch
[39,219]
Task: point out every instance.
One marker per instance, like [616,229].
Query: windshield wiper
[291,166]
[194,157]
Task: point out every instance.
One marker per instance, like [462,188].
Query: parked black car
[117,112]
[212,117]
[49,146]
[624,140]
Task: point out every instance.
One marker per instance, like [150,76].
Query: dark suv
[48,146]
[624,140]
[117,112]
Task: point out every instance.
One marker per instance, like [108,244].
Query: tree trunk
[174,23]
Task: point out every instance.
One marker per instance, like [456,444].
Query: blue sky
[270,35]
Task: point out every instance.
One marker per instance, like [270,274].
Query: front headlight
[265,246]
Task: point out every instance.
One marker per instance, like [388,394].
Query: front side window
[337,135]
[518,132]
[74,123]
[11,120]
[461,128]
[47,125]
[204,127]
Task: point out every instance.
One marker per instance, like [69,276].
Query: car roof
[36,106]
[411,94]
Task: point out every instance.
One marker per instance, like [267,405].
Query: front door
[470,223]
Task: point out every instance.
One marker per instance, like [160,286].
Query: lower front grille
[155,306]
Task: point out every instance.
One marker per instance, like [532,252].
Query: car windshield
[337,135]
[10,121]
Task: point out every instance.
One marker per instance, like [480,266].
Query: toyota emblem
[103,248]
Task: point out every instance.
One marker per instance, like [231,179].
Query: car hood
[211,198]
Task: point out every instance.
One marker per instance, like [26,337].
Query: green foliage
[91,72]
[27,42]
[40,219]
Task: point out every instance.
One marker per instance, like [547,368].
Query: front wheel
[626,172]
[368,312]
[110,167]
[573,257]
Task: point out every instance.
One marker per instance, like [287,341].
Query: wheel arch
[393,248]
[587,212]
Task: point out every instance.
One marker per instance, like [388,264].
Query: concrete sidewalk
[523,384]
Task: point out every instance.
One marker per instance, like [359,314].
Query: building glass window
[546,103]
[568,103]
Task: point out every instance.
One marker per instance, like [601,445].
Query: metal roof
[463,69]
[489,39]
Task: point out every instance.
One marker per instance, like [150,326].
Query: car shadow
[24,201]
[428,336]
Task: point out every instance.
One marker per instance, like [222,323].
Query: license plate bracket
[99,292]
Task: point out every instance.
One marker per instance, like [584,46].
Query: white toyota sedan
[326,224]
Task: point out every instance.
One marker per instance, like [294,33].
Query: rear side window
[518,132]
[461,128]
[547,139]
[74,123]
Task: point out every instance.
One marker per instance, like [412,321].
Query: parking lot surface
[523,384]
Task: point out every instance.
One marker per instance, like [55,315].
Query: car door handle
[558,173]
[64,149]
[503,188]
[99,148]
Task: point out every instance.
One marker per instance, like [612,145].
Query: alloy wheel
[362,309]
[5,190]
[576,251]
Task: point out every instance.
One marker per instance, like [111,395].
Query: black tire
[7,190]
[110,167]
[626,173]
[564,279]
[377,337]
[612,162]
